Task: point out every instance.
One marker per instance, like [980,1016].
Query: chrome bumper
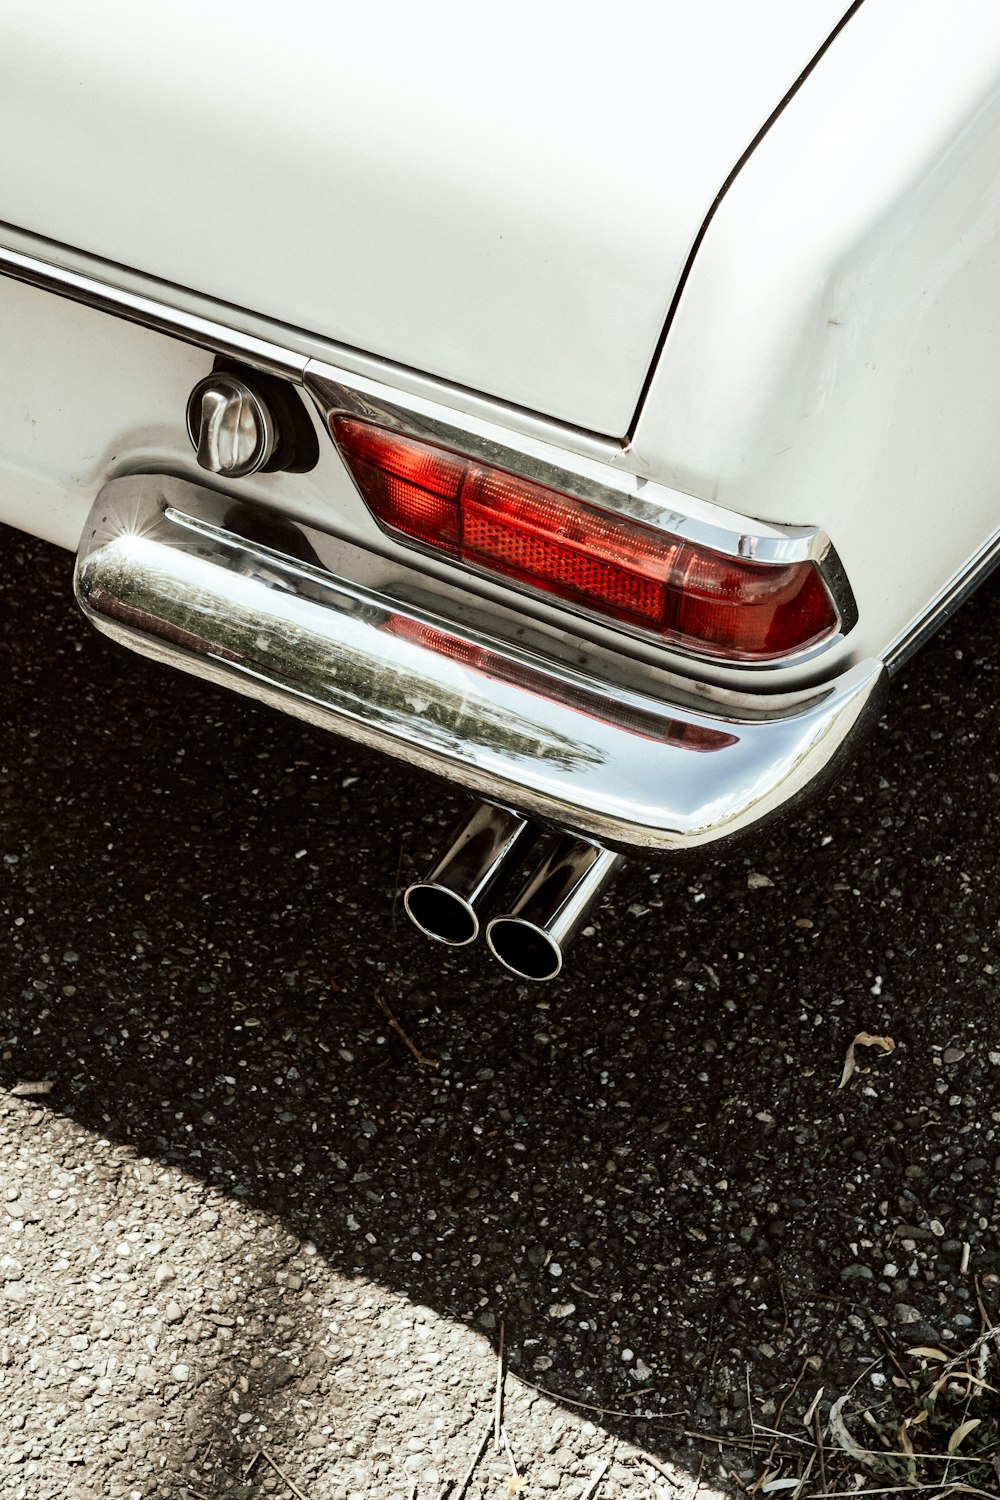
[159,572]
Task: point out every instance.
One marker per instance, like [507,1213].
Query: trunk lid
[503,197]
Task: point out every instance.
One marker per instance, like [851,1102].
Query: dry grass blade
[498,1394]
[602,1411]
[820,1451]
[863,1039]
[425,1062]
[908,1489]
[962,1432]
[866,1416]
[800,1484]
[515,1483]
[984,1315]
[654,1463]
[806,1474]
[787,1437]
[777,1486]
[807,1419]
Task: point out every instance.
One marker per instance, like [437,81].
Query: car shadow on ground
[646,1171]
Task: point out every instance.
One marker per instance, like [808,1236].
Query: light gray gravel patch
[160,1339]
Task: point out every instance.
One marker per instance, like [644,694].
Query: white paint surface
[501,196]
[835,359]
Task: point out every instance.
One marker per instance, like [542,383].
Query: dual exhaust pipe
[531,934]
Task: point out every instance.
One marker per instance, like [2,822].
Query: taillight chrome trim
[604,486]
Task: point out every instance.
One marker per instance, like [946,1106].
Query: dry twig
[791,1393]
[425,1062]
[283,1477]
[654,1463]
[697,1478]
[599,1474]
[473,1465]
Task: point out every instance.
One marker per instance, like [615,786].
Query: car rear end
[340,364]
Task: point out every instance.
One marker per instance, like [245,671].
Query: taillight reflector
[499,523]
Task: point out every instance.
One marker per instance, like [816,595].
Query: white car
[591,407]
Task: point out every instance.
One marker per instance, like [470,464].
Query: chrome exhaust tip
[532,938]
[446,904]
[526,950]
[441,914]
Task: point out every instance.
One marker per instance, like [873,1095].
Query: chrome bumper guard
[159,572]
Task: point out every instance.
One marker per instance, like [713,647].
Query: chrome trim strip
[262,341]
[152,313]
[603,485]
[943,605]
[159,571]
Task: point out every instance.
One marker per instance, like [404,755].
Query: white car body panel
[836,349]
[504,201]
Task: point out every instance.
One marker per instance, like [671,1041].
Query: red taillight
[501,524]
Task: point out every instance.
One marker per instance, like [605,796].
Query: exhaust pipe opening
[441,914]
[524,949]
[532,938]
[447,903]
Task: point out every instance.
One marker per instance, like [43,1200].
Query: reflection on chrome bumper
[159,572]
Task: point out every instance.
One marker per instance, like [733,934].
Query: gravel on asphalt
[249,1245]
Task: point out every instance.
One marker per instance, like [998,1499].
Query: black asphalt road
[199,915]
